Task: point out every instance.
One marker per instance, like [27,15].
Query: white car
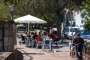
[71,31]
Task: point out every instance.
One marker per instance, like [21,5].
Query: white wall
[78,19]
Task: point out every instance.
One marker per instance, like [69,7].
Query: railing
[78,50]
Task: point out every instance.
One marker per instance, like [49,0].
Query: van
[81,27]
[70,31]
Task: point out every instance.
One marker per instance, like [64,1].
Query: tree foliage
[45,9]
[4,12]
[86,14]
[86,9]
[87,24]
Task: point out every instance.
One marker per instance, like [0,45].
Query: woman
[71,48]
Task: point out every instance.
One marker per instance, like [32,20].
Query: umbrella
[29,19]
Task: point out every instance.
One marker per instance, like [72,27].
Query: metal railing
[78,50]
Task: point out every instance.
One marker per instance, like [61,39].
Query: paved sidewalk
[37,54]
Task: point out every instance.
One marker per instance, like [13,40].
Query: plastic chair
[38,43]
[56,43]
[46,44]
[32,43]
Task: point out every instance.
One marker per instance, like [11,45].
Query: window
[73,29]
[82,21]
[84,32]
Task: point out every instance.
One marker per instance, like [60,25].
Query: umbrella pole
[28,26]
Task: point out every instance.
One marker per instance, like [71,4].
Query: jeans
[79,49]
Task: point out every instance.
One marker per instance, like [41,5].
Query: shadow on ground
[61,45]
[15,55]
[28,54]
[55,46]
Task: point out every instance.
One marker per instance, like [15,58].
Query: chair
[56,43]
[32,43]
[29,42]
[46,44]
[38,43]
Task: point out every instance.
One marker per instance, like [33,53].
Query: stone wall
[9,35]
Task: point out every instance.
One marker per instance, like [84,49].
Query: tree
[87,24]
[54,9]
[45,9]
[86,14]
[4,9]
[85,9]
[4,12]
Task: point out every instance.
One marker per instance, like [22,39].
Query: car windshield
[84,32]
[73,29]
[65,30]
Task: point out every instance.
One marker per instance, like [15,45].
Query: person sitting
[38,38]
[38,41]
[45,39]
[23,38]
[27,40]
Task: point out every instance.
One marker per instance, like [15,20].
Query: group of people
[76,43]
[76,46]
[33,37]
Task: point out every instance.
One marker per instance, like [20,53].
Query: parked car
[84,34]
[70,31]
[21,26]
[64,33]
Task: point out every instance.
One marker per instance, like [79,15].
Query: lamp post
[71,18]
[71,24]
[11,11]
[65,16]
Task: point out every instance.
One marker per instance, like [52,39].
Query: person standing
[71,48]
[78,43]
[50,30]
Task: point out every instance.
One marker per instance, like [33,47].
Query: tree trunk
[59,22]
[59,30]
[48,26]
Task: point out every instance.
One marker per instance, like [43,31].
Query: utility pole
[71,19]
